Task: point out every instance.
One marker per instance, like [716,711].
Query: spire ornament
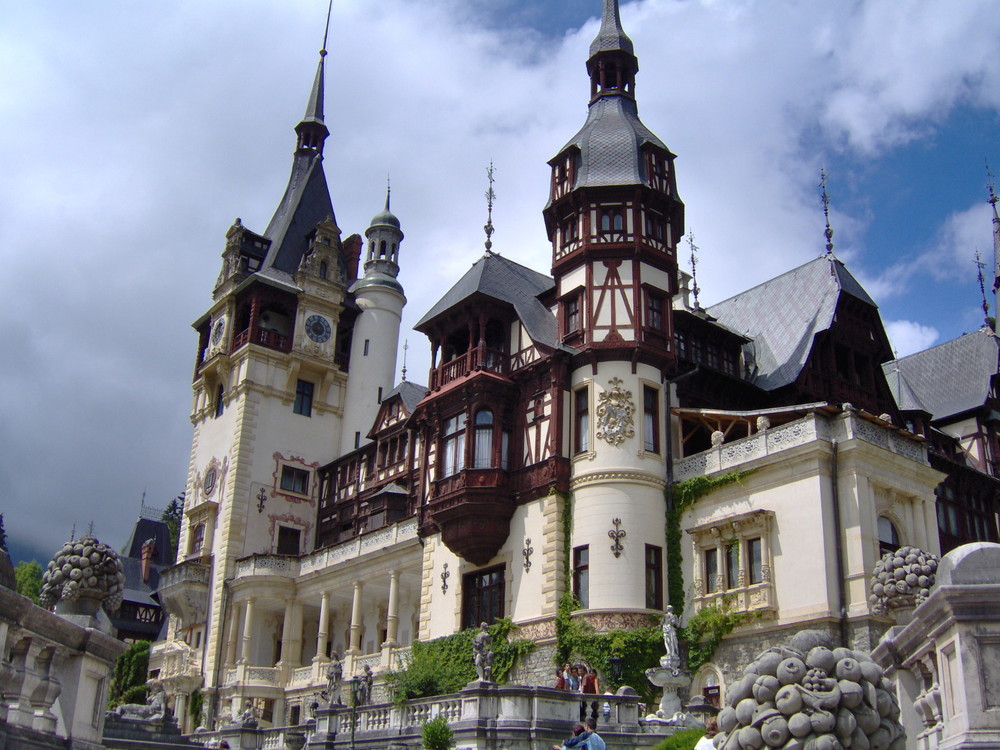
[695,289]
[490,197]
[406,345]
[826,212]
[982,288]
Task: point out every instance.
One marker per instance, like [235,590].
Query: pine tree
[28,579]
[3,535]
[172,517]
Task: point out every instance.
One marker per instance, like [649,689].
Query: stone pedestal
[671,681]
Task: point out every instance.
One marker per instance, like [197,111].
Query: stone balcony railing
[521,714]
[183,590]
[281,566]
[379,539]
[813,427]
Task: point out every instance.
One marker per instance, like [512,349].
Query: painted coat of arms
[614,414]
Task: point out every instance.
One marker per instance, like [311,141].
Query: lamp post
[355,690]
[615,665]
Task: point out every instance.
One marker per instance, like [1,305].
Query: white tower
[376,332]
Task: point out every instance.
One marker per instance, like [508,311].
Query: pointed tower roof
[611,36]
[612,140]
[306,201]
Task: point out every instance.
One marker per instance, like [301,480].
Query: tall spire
[612,64]
[982,289]
[312,131]
[695,289]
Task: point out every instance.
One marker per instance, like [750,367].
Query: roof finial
[992,200]
[826,212]
[326,31]
[982,288]
[406,345]
[388,191]
[694,269]
[490,197]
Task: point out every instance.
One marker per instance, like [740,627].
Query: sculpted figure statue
[482,654]
[246,717]
[154,709]
[334,674]
[367,682]
[671,659]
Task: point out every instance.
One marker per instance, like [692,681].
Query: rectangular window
[572,315]
[651,419]
[711,570]
[482,597]
[732,565]
[754,561]
[288,540]
[654,311]
[581,575]
[581,420]
[303,398]
[654,577]
[366,347]
[294,480]
[453,446]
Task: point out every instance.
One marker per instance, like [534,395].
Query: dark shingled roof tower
[306,201]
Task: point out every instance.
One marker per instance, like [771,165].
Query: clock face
[318,328]
[217,330]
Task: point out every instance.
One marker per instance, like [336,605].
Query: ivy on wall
[706,629]
[128,683]
[444,665]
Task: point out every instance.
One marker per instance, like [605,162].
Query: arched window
[483,454]
[381,249]
[323,269]
[219,405]
[888,537]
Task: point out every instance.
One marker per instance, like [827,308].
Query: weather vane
[695,289]
[992,200]
[326,31]
[826,212]
[490,197]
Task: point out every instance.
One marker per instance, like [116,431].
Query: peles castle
[332,512]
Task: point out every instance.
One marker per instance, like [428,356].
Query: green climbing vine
[685,494]
[704,631]
[444,665]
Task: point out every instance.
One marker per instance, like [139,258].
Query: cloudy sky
[132,134]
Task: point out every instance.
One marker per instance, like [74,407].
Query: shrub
[685,739]
[437,735]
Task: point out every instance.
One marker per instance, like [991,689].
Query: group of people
[577,679]
[585,737]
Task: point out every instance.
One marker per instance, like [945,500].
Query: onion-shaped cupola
[382,254]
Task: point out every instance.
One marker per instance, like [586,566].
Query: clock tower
[614,219]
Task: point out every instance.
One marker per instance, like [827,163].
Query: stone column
[356,625]
[248,619]
[286,633]
[234,634]
[180,711]
[296,652]
[930,515]
[392,619]
[323,635]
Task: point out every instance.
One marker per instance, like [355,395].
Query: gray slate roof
[946,379]
[305,204]
[611,36]
[610,144]
[507,281]
[411,393]
[783,315]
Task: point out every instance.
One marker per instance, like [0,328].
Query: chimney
[148,551]
[352,255]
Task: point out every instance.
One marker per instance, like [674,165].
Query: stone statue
[482,653]
[246,717]
[334,674]
[155,708]
[367,682]
[671,659]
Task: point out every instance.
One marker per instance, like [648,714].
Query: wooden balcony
[478,358]
[473,509]
[262,337]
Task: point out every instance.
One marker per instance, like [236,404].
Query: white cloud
[127,154]
[907,336]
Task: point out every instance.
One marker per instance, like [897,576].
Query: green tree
[172,517]
[3,535]
[28,579]
[128,684]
